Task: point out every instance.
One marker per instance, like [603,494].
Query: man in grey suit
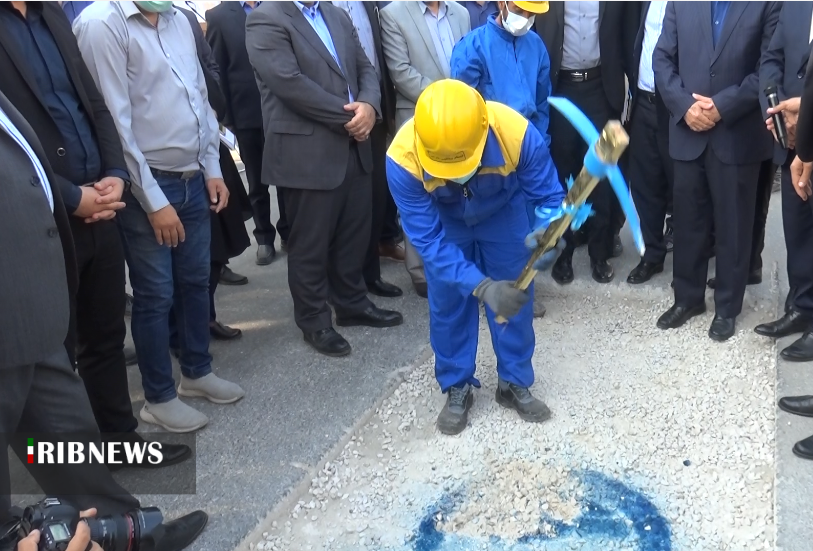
[320,99]
[418,38]
[705,66]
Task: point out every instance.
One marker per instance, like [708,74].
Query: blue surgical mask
[464,179]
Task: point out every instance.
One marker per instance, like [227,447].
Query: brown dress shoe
[392,251]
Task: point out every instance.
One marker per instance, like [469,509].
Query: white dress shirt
[652,31]
[8,126]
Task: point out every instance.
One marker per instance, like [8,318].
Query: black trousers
[252,143]
[330,235]
[100,326]
[48,397]
[709,192]
[380,191]
[568,150]
[797,220]
[763,202]
[651,171]
[391,231]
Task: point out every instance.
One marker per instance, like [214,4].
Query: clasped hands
[362,122]
[702,115]
[101,200]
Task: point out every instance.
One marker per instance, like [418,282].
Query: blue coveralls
[447,222]
[514,70]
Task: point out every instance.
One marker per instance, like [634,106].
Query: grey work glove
[501,296]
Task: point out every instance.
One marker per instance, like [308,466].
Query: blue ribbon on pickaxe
[597,168]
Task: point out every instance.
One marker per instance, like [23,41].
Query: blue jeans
[162,278]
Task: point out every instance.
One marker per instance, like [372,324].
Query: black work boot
[516,397]
[454,416]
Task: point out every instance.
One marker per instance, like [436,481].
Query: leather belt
[186,175]
[582,75]
[648,96]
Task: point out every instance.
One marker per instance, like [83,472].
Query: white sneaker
[174,416]
[212,388]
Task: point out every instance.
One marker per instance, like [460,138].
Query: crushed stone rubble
[686,421]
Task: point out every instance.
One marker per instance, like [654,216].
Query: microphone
[778,118]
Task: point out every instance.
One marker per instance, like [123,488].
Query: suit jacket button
[35,181]
[52,232]
[712,74]
[60,151]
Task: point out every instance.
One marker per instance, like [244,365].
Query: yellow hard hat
[533,7]
[451,127]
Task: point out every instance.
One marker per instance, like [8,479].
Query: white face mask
[516,24]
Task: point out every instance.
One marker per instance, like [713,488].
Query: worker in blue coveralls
[506,63]
[462,172]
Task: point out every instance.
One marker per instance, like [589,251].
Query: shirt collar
[441,9]
[497,28]
[256,4]
[130,9]
[305,9]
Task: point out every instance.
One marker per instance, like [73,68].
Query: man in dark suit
[590,47]
[651,171]
[39,390]
[46,79]
[364,16]
[705,66]
[321,99]
[226,33]
[784,66]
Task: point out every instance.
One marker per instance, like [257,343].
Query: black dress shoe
[266,255]
[421,289]
[381,288]
[804,448]
[172,453]
[130,356]
[373,316]
[722,328]
[328,342]
[516,397]
[562,271]
[602,271]
[797,405]
[454,416]
[678,315]
[643,272]
[221,332]
[792,322]
[618,247]
[801,350]
[754,278]
[228,277]
[179,534]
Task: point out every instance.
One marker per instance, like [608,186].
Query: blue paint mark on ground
[611,511]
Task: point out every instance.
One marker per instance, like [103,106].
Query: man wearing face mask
[462,172]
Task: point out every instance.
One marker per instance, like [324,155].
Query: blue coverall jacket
[467,233]
[514,70]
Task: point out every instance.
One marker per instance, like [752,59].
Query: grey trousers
[49,397]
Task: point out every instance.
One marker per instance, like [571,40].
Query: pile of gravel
[659,441]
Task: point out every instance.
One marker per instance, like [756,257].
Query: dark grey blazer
[38,271]
[785,62]
[686,62]
[304,92]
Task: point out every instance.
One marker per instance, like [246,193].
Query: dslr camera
[57,521]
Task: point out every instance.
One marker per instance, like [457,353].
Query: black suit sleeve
[665,64]
[804,127]
[220,53]
[632,20]
[772,65]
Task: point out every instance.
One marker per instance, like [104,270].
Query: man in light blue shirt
[435,15]
[651,172]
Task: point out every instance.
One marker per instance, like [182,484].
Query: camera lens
[126,532]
